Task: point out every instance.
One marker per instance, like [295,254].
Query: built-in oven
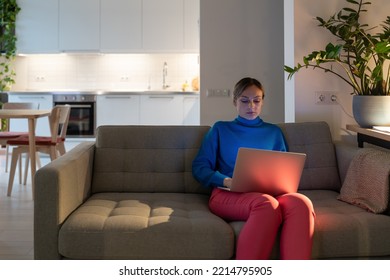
[82,119]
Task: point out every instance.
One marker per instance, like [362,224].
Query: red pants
[264,215]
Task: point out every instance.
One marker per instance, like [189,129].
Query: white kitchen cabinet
[161,110]
[121,26]
[163,25]
[45,101]
[191,25]
[79,25]
[37,26]
[117,109]
[191,110]
[110,26]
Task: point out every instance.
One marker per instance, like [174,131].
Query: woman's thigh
[238,206]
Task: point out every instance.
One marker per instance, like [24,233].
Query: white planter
[371,110]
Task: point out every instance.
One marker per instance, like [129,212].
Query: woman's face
[249,103]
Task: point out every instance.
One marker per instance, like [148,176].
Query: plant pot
[370,110]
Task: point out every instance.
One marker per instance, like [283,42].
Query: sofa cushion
[342,230]
[147,159]
[315,140]
[145,226]
[367,182]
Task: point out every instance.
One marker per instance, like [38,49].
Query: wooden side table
[369,135]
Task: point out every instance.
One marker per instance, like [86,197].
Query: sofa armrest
[344,154]
[60,187]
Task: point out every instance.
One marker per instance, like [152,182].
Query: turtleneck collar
[255,122]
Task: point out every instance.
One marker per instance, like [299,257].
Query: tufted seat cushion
[145,225]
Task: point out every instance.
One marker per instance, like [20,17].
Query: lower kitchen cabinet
[153,109]
[191,110]
[117,110]
[161,109]
[44,101]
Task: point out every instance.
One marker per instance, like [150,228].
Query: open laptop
[265,171]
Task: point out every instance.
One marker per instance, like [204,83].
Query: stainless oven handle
[80,106]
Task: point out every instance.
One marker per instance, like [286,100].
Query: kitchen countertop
[108,92]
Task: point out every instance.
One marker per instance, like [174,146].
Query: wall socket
[124,78]
[40,79]
[326,97]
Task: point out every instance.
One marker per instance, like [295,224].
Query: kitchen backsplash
[103,71]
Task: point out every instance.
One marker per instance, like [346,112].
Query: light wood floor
[16,218]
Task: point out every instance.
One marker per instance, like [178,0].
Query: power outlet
[326,97]
[40,79]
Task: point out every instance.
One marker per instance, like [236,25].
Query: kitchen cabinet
[121,25]
[153,109]
[163,28]
[110,26]
[191,25]
[79,25]
[161,109]
[170,25]
[117,109]
[45,101]
[37,26]
[191,110]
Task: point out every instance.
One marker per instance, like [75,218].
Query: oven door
[81,119]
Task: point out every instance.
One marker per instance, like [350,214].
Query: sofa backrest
[315,140]
[146,159]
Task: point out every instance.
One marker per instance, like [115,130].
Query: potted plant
[359,58]
[8,11]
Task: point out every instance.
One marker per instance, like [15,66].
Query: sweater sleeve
[205,163]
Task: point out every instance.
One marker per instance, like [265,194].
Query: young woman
[265,215]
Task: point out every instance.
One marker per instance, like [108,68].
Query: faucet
[165,73]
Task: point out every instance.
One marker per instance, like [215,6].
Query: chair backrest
[18,106]
[59,119]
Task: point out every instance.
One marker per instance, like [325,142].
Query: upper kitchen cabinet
[110,26]
[163,27]
[79,25]
[37,26]
[121,26]
[170,25]
[191,25]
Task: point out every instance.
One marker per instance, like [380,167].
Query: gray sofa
[131,195]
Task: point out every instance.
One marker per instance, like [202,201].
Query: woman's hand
[227,182]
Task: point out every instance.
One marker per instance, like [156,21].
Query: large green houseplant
[360,57]
[8,12]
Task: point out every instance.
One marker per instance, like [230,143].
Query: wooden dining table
[31,116]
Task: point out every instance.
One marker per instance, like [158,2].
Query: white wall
[309,37]
[241,38]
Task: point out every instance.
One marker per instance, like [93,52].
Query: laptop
[266,171]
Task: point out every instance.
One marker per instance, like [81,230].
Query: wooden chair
[7,135]
[53,145]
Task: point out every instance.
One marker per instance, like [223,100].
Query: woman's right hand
[227,182]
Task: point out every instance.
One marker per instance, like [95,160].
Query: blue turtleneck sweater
[217,154]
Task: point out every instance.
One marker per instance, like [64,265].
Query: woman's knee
[295,202]
[266,204]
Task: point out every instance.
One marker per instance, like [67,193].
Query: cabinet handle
[161,97]
[118,97]
[31,97]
